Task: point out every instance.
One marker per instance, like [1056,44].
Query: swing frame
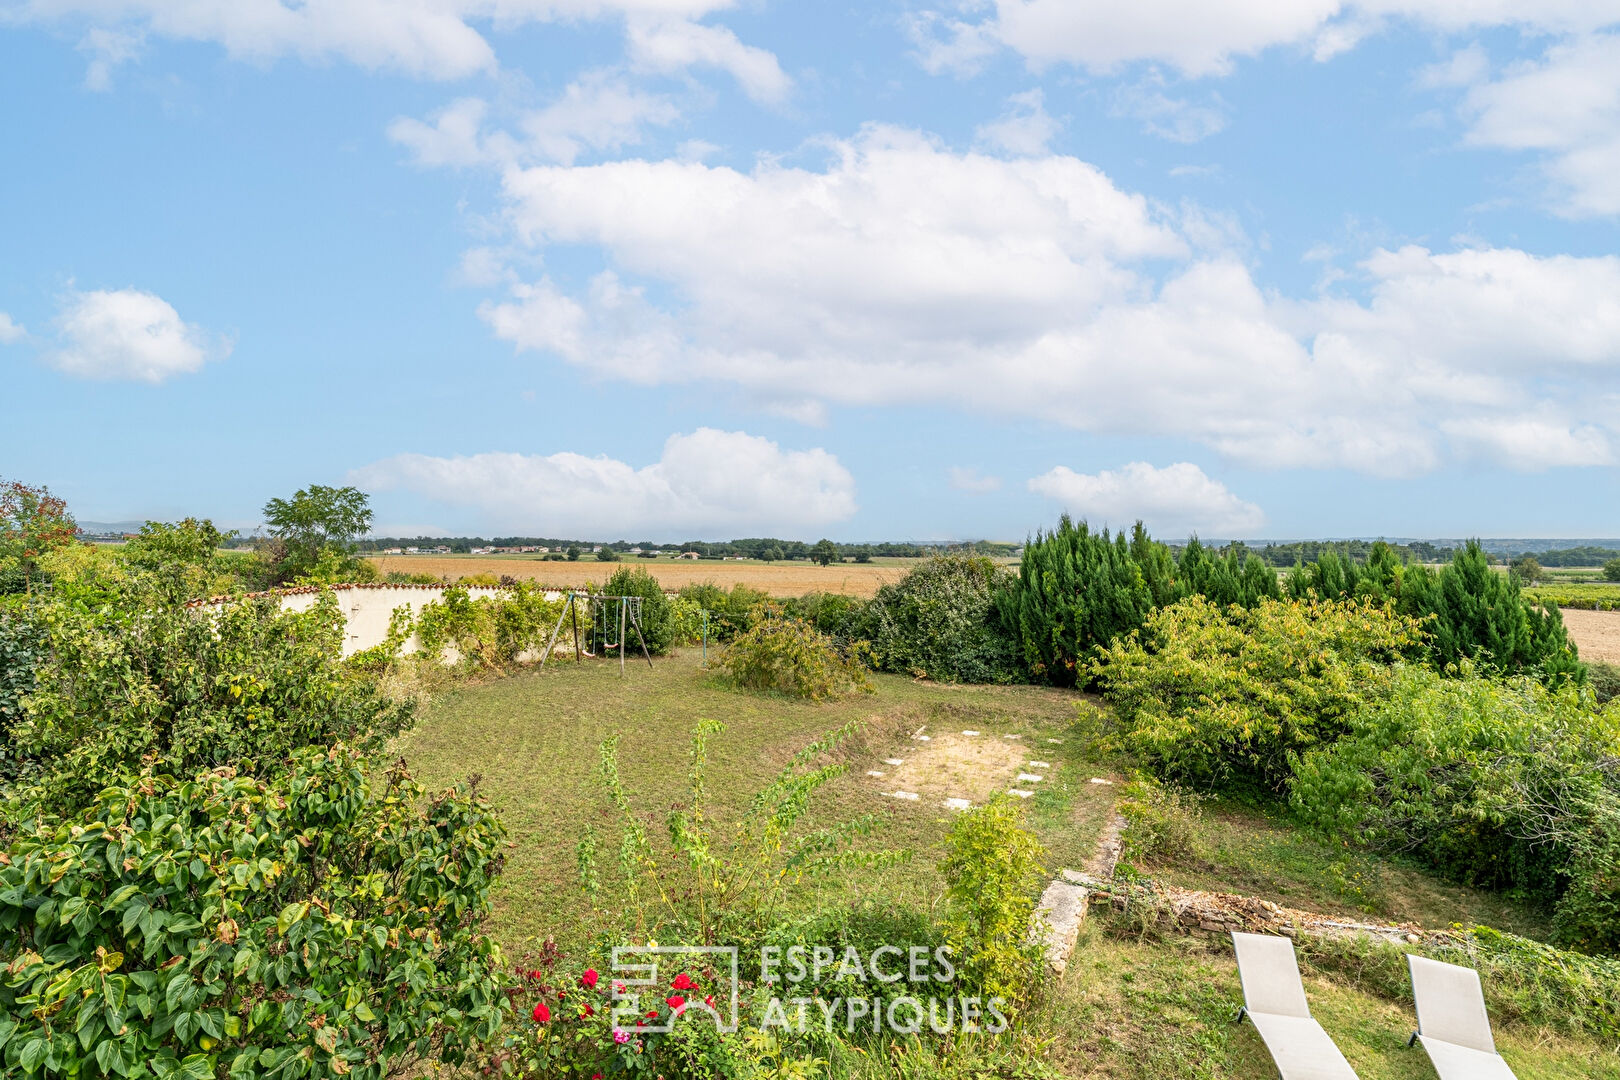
[629,614]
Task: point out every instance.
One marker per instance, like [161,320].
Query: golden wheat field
[777,579]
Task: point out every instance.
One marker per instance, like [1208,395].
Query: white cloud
[1567,107]
[670,45]
[1170,501]
[1177,499]
[107,49]
[1204,37]
[1176,119]
[1025,128]
[902,272]
[129,334]
[599,111]
[433,39]
[972,481]
[708,483]
[10,330]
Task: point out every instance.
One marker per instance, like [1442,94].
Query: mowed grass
[533,740]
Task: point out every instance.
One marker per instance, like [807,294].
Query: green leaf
[244,960]
[198,1067]
[106,1053]
[33,1052]
[177,986]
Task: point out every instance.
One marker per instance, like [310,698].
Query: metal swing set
[599,625]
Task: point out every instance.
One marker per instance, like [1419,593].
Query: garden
[230,851]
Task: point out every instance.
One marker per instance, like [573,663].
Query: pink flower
[618,988]
[542,1014]
[588,980]
[621,1036]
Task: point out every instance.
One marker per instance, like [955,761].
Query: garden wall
[368,608]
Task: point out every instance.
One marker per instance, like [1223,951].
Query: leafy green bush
[939,621]
[991,869]
[1211,697]
[22,648]
[1505,784]
[657,620]
[486,631]
[321,923]
[789,656]
[1604,679]
[730,611]
[240,685]
[1611,570]
[835,614]
[1161,822]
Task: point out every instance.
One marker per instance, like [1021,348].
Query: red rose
[683,981]
[541,1013]
[588,1011]
[588,980]
[674,1001]
[709,1001]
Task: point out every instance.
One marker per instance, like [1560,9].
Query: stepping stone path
[1020,793]
[873,772]
[970,732]
[957,804]
[1030,778]
[1100,780]
[909,796]
[1055,742]
[1012,736]
[894,761]
[1040,765]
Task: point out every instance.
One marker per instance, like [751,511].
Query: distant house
[689,555]
[413,551]
[395,551]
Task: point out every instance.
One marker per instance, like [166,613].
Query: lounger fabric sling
[1274,998]
[1452,1023]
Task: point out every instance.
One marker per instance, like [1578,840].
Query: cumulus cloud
[904,272]
[435,40]
[1204,37]
[1565,107]
[972,481]
[1175,500]
[10,330]
[129,334]
[707,483]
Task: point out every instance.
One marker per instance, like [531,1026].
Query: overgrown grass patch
[532,740]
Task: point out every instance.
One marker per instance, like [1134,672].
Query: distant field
[1596,633]
[777,579]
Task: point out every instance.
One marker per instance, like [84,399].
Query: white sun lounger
[1452,1023]
[1274,998]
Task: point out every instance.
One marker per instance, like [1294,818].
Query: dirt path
[1596,633]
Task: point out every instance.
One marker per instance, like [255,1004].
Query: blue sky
[683,268]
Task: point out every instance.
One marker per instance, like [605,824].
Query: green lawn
[1145,1009]
[532,740]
